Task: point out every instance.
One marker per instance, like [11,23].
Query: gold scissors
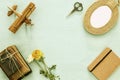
[77,7]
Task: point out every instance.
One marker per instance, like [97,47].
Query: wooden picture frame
[108,26]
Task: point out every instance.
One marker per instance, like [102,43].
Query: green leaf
[42,72]
[52,68]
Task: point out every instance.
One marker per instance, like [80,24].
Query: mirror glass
[100,16]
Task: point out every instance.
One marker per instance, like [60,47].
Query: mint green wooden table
[63,40]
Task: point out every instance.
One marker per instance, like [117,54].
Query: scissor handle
[78,6]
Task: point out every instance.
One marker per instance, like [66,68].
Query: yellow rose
[37,54]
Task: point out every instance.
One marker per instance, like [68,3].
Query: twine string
[12,58]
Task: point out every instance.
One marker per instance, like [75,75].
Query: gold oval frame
[112,5]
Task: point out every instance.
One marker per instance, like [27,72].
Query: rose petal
[30,59]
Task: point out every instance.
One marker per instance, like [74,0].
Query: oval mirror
[100,16]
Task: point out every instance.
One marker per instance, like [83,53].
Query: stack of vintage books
[13,64]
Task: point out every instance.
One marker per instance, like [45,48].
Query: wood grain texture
[20,20]
[98,31]
[24,68]
[110,61]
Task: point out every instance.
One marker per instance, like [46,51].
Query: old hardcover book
[13,64]
[104,65]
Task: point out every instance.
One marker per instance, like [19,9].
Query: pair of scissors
[77,7]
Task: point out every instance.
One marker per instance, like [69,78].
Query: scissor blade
[71,12]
